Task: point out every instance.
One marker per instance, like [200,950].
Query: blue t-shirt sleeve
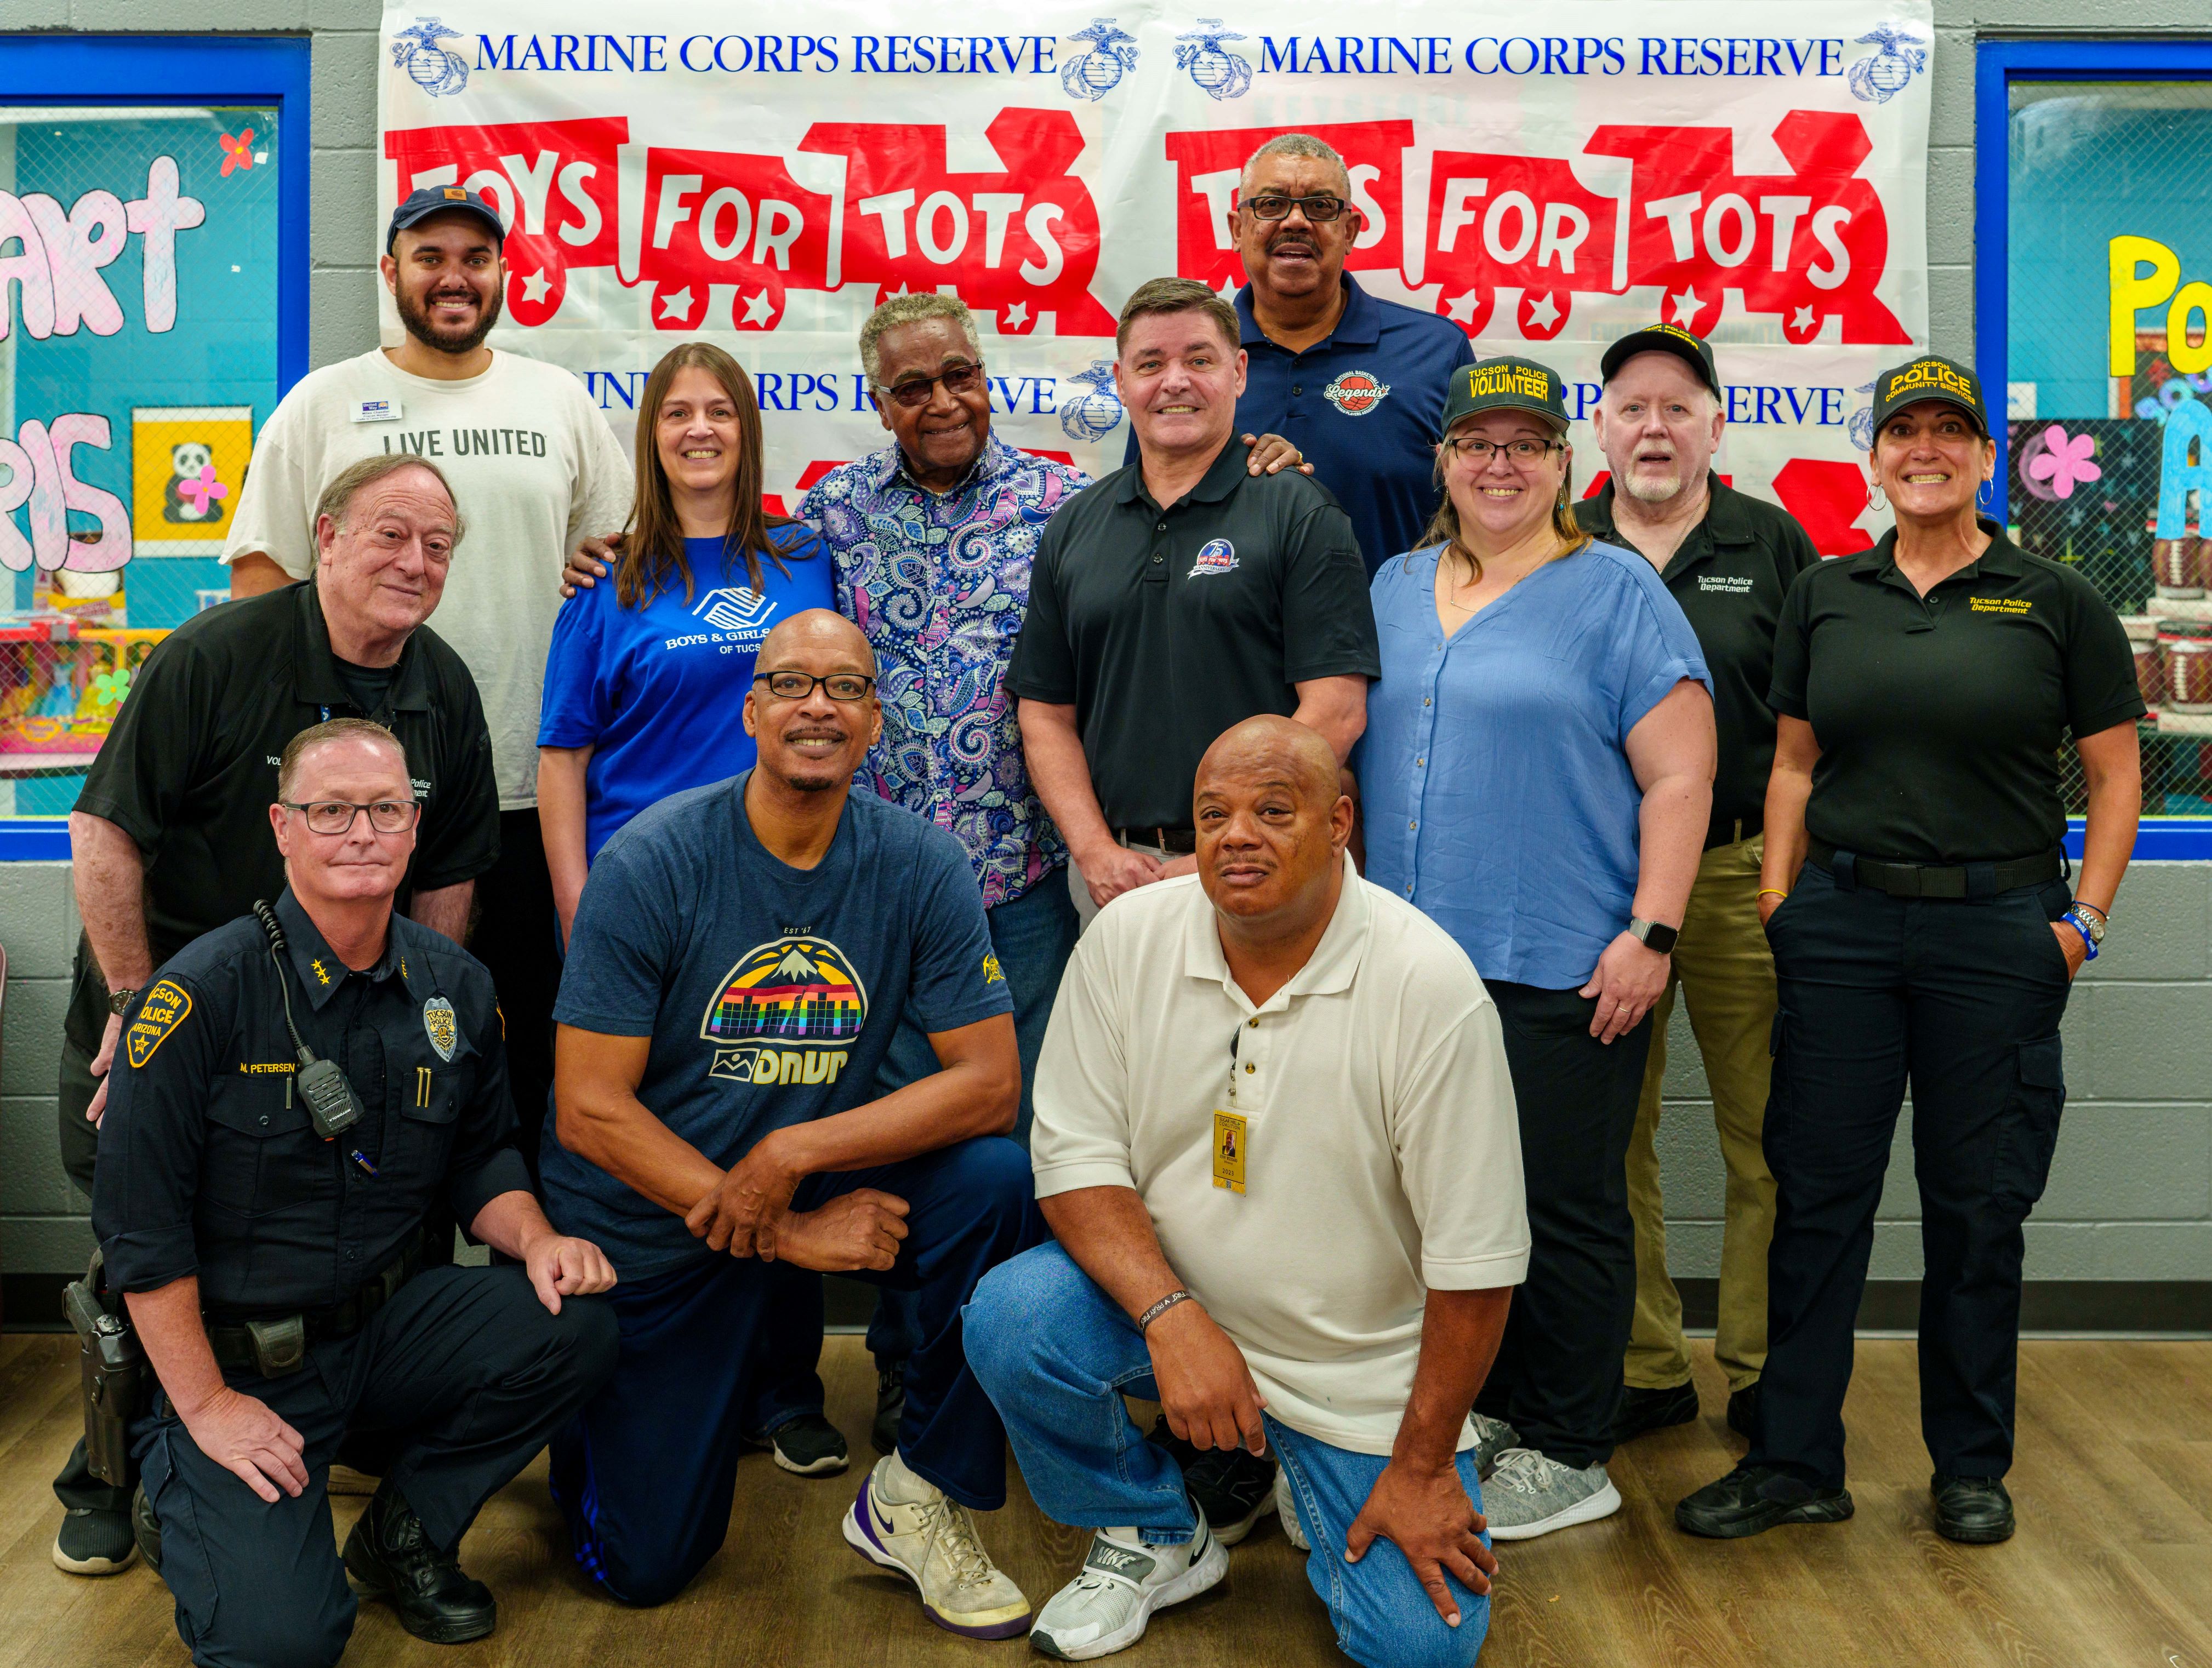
[957,979]
[622,950]
[1656,647]
[578,701]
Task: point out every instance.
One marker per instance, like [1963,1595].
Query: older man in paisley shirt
[931,539]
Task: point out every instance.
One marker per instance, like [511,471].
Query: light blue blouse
[1494,771]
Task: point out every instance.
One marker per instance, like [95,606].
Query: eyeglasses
[1274,206]
[797,686]
[915,392]
[335,816]
[1476,451]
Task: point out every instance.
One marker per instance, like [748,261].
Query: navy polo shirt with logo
[1164,627]
[1364,405]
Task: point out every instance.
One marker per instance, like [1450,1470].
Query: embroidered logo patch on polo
[1357,392]
[161,1013]
[1216,555]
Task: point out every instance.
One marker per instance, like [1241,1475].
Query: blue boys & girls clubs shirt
[658,692]
[1499,796]
[1364,405]
[770,993]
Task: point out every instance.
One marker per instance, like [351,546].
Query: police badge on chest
[442,1027]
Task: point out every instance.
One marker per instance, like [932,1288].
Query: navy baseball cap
[1930,378]
[1692,350]
[1505,384]
[436,200]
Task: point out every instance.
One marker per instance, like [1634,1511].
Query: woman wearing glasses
[1538,774]
[644,686]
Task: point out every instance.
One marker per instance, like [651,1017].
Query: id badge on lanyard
[1233,1135]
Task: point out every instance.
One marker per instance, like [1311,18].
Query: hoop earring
[1876,498]
[1984,495]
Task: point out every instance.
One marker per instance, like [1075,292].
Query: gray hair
[1296,144]
[912,309]
[338,495]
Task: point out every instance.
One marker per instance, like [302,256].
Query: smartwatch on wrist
[1651,934]
[118,1002]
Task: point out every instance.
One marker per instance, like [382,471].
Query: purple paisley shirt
[939,583]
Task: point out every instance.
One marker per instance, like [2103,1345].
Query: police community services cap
[436,200]
[1692,350]
[1506,383]
[1930,378]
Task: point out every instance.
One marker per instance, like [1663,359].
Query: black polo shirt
[208,1162]
[1162,627]
[189,769]
[1939,718]
[1730,574]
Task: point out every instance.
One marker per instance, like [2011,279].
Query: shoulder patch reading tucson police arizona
[161,1013]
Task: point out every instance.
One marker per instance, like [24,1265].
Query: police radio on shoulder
[332,1103]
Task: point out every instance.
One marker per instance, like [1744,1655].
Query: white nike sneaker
[1104,1610]
[906,1524]
[1288,1511]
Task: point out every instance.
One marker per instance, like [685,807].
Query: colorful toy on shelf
[61,686]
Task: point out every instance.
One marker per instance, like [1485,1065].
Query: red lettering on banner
[1809,245]
[1018,244]
[1209,165]
[719,217]
[1518,220]
[553,183]
[1826,497]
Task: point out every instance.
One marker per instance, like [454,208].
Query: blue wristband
[2088,943]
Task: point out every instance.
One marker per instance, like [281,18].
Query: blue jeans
[1033,936]
[1056,1355]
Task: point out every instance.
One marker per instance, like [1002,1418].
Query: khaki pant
[1722,963]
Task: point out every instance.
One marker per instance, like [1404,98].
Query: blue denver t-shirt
[657,693]
[770,993]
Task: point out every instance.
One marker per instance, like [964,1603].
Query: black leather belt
[1929,880]
[1176,842]
[278,1345]
[1727,830]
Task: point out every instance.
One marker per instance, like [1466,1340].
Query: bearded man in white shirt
[1276,1139]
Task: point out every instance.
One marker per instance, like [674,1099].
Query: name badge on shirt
[376,412]
[1230,1140]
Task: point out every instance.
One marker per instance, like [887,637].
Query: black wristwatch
[118,1002]
[1651,934]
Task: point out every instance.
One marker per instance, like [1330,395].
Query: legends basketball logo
[789,1012]
[1357,392]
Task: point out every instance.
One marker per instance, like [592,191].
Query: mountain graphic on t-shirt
[793,989]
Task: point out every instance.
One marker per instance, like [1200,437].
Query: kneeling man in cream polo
[1276,1139]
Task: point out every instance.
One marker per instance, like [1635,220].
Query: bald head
[1272,826]
[811,741]
[817,630]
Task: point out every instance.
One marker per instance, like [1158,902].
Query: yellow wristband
[1772,891]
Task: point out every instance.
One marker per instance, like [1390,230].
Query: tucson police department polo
[1730,576]
[1364,405]
[1162,627]
[189,769]
[1939,718]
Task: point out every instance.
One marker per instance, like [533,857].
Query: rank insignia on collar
[441,1026]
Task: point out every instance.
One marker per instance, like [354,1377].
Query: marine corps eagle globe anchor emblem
[1092,76]
[1221,73]
[434,68]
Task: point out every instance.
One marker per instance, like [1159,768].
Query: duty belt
[1929,880]
[276,1346]
[1177,842]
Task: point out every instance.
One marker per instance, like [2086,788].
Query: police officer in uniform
[294,1093]
[1924,932]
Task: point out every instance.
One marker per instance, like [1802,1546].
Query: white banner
[1547,191]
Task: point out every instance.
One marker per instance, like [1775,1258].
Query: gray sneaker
[1492,1437]
[1529,1495]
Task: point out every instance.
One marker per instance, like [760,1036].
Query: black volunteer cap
[1506,383]
[437,199]
[1930,378]
[1692,350]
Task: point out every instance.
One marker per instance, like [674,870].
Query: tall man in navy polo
[1356,384]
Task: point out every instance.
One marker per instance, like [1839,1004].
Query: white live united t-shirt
[534,468]
[1383,1156]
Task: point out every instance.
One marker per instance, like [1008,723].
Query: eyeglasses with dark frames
[1274,205]
[1477,451]
[335,816]
[797,686]
[915,391]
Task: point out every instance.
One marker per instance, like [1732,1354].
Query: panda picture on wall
[185,496]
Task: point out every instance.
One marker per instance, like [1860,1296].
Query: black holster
[115,1382]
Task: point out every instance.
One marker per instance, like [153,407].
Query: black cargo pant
[466,1368]
[1960,998]
[1556,1378]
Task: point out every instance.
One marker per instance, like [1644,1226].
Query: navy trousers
[645,1473]
[1961,998]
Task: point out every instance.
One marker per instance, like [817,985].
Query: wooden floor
[2113,1566]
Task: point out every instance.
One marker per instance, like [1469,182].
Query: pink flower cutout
[2065,461]
[206,488]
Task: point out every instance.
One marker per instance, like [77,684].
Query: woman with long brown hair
[647,676]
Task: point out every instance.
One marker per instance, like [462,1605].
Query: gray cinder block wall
[2130,1195]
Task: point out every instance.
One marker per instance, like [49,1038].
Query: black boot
[1975,1510]
[390,1555]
